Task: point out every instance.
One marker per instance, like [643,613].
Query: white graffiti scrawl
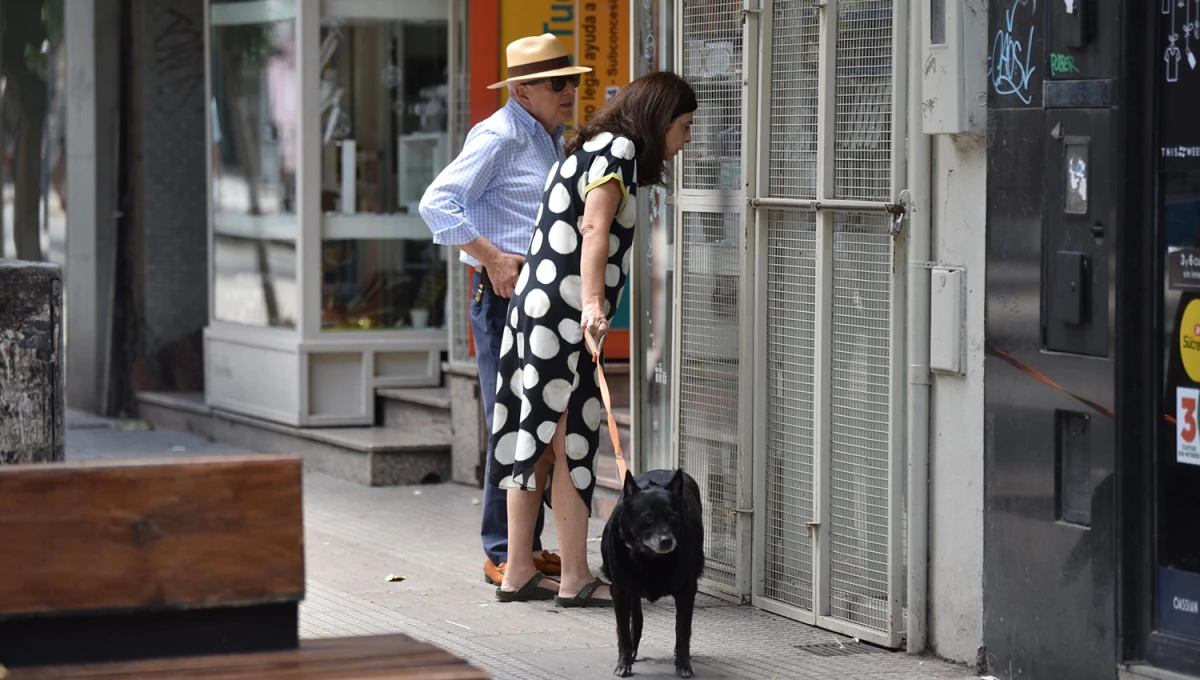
[1010,63]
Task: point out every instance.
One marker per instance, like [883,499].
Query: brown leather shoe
[493,574]
[549,563]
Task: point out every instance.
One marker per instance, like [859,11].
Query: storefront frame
[303,376]
[1140,372]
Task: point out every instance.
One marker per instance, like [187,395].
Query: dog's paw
[684,671]
[624,670]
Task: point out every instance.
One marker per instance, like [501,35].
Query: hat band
[521,70]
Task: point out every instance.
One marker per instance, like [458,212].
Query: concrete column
[93,96]
[31,340]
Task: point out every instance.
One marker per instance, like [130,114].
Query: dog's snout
[666,543]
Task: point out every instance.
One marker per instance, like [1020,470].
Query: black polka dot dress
[545,367]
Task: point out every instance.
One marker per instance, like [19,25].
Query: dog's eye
[647,518]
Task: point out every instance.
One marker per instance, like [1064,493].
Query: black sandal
[532,591]
[584,597]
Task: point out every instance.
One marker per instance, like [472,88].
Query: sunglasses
[559,83]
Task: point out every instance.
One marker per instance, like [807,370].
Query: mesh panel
[862,265]
[794,61]
[863,147]
[708,378]
[791,356]
[712,63]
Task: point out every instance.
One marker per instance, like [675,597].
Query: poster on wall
[594,32]
[1187,441]
[524,18]
[603,44]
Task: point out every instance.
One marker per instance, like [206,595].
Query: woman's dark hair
[642,111]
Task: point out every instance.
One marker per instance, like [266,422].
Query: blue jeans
[487,323]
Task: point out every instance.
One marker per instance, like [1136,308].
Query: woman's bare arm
[600,207]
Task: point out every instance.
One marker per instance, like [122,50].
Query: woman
[548,407]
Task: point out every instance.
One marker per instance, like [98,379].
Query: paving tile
[356,536]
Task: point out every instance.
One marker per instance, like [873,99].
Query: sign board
[1187,441]
[1183,269]
[603,44]
[596,33]
[524,18]
[1179,602]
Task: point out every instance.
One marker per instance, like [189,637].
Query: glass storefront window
[381,284]
[384,87]
[33,131]
[1178,573]
[254,112]
[655,268]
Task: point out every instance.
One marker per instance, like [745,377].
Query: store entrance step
[416,410]
[371,456]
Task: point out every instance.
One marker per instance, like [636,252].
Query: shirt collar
[528,121]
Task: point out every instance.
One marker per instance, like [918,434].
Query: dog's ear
[631,487]
[675,486]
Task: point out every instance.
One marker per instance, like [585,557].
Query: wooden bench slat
[122,535]
[357,658]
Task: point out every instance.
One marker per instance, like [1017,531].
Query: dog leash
[604,395]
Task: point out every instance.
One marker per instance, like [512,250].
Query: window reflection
[655,267]
[383,140]
[33,131]
[254,116]
[383,113]
[382,284]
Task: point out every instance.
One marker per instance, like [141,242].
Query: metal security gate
[790,378]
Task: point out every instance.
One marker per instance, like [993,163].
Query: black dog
[653,546]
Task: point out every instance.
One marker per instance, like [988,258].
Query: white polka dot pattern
[598,142]
[543,342]
[556,377]
[563,238]
[568,168]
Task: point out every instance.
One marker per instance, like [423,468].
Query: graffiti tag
[1062,63]
[1009,65]
[178,58]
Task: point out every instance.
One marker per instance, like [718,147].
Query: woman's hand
[594,323]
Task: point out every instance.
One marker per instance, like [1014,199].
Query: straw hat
[537,57]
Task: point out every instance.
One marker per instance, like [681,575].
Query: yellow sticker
[1189,340]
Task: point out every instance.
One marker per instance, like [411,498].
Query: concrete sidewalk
[357,536]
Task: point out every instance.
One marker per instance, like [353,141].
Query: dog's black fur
[653,546]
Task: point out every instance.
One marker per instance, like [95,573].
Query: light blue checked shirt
[494,187]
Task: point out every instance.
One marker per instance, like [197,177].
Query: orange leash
[607,397]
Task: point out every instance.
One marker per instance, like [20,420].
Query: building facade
[914,310]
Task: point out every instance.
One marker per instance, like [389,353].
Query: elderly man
[486,203]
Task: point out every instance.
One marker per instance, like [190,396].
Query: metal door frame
[826,208]
[724,201]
